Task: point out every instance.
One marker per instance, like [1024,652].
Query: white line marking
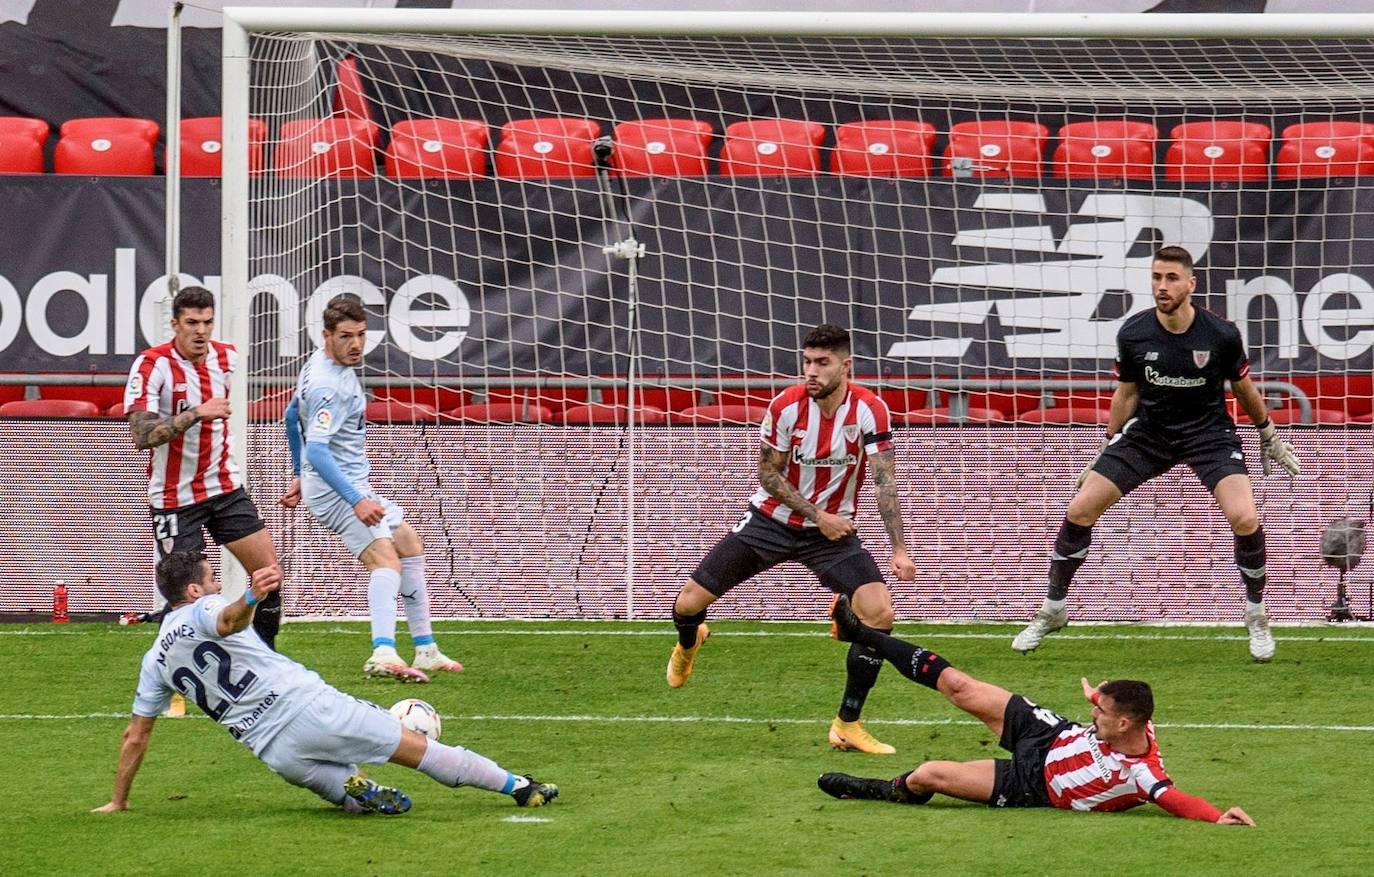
[527,819]
[747,720]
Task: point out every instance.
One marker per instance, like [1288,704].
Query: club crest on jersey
[1201,358]
[851,432]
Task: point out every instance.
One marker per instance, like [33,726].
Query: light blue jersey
[332,409]
[235,680]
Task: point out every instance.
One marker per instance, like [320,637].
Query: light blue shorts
[336,514]
[324,744]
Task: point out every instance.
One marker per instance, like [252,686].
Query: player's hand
[1236,816]
[265,581]
[1083,476]
[369,511]
[292,497]
[834,527]
[902,567]
[215,409]
[112,807]
[1090,691]
[1275,450]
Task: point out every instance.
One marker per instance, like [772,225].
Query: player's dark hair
[827,337]
[343,308]
[176,572]
[192,298]
[1131,698]
[1175,254]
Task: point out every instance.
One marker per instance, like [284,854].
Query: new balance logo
[1152,356]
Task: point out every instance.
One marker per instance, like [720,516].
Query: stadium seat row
[346,145]
[393,411]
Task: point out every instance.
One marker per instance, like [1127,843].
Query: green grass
[643,794]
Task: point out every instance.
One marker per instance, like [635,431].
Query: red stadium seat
[392,411]
[1326,149]
[547,147]
[722,414]
[446,148]
[202,146]
[1218,151]
[340,146]
[102,396]
[1289,416]
[1106,149]
[661,148]
[501,412]
[944,415]
[1066,414]
[772,147]
[116,410]
[1367,417]
[438,398]
[21,144]
[50,408]
[998,147]
[349,98]
[883,148]
[270,407]
[106,147]
[602,415]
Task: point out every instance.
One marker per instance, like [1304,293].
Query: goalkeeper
[1170,407]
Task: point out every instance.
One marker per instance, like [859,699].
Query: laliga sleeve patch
[214,604]
[135,386]
[767,425]
[324,420]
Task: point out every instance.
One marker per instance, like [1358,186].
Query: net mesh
[984,273]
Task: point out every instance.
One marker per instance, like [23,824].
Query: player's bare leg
[1094,497]
[254,552]
[384,583]
[415,599]
[689,616]
[1236,497]
[970,781]
[872,604]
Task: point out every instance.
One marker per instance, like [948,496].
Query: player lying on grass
[307,731]
[1112,764]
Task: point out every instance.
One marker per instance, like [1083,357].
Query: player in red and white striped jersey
[177,401]
[816,439]
[1111,764]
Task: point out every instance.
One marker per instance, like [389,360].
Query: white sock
[416,599]
[1252,606]
[456,766]
[381,605]
[1055,606]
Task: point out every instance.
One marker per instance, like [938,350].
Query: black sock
[902,794]
[915,663]
[1070,550]
[861,668]
[267,619]
[1250,561]
[687,627]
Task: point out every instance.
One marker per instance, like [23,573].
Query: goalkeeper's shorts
[1141,453]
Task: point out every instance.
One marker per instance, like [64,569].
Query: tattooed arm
[149,430]
[884,467]
[772,469]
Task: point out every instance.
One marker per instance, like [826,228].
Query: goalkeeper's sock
[415,599]
[382,588]
[687,627]
[456,766]
[861,667]
[912,661]
[1251,563]
[1070,550]
[267,619]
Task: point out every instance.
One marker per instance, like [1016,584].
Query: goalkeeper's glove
[1083,476]
[1275,450]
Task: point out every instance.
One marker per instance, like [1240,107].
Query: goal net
[589,261]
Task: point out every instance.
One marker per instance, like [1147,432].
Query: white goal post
[984,294]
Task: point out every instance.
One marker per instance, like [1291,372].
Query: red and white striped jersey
[197,464]
[1083,773]
[826,455]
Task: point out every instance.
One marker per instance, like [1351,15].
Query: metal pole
[172,161]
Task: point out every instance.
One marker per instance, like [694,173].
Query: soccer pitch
[716,778]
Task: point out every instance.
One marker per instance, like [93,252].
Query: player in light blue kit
[309,732]
[328,409]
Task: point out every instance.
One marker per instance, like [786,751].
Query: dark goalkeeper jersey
[1181,378]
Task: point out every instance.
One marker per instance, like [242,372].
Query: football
[418,716]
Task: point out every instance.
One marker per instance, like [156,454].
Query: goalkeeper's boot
[536,794]
[843,785]
[854,736]
[429,659]
[1261,640]
[681,660]
[844,624]
[374,798]
[1042,625]
[386,664]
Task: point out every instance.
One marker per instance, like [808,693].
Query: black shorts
[1140,452]
[229,517]
[1028,731]
[758,543]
